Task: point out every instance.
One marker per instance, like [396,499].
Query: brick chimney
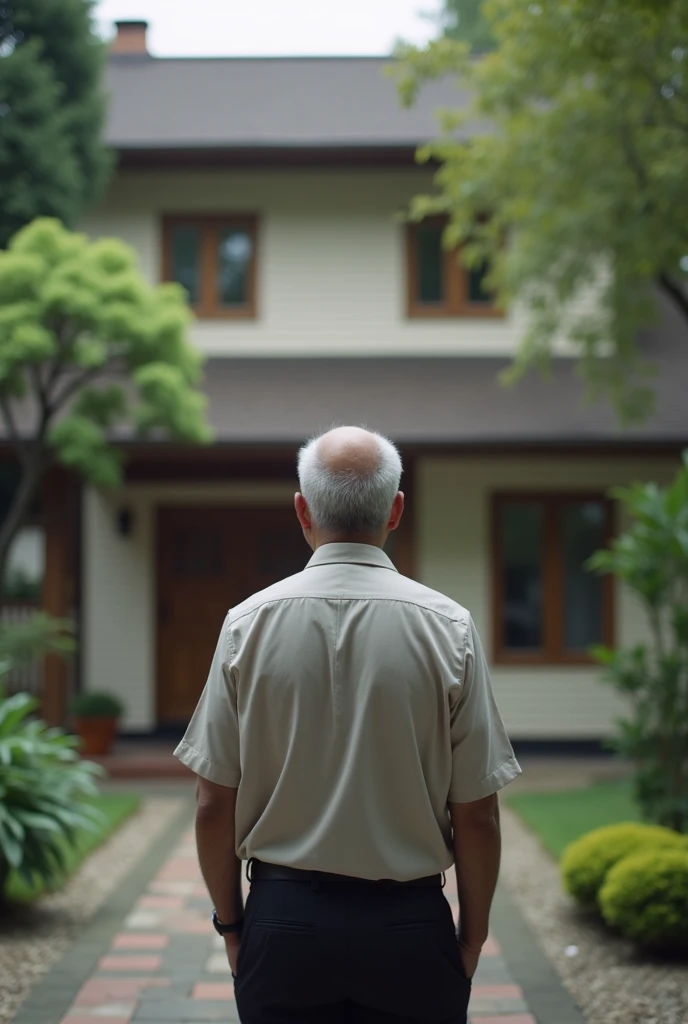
[130,39]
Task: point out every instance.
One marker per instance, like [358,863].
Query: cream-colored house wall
[452,516]
[331,265]
[117,616]
[454,556]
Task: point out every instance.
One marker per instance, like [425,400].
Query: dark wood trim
[553,600]
[208,308]
[170,451]
[496,560]
[456,303]
[608,582]
[160,512]
[278,158]
[58,587]
[553,651]
[590,448]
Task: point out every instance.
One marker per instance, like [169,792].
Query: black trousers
[349,953]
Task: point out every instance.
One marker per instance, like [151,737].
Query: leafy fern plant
[43,784]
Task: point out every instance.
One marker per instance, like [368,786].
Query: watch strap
[227,929]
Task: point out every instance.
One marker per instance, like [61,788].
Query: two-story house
[273,190]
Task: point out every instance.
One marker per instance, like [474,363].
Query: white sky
[182,28]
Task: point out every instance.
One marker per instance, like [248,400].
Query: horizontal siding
[454,556]
[331,261]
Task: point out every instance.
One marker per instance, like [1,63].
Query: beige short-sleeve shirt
[349,705]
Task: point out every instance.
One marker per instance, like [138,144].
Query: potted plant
[95,721]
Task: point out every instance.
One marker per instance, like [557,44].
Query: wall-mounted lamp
[125,522]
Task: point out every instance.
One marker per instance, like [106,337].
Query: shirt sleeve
[210,746]
[483,760]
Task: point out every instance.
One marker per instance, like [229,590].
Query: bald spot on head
[349,449]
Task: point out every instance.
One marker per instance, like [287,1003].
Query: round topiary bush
[585,863]
[645,897]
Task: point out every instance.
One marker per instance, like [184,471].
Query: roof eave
[268,154]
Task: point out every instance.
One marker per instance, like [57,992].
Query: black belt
[258,870]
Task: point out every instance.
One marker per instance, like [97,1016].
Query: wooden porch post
[57,588]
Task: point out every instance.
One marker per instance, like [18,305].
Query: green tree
[579,186]
[464,20]
[87,347]
[52,110]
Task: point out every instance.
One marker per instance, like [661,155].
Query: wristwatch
[227,929]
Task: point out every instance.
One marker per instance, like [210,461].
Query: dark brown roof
[266,103]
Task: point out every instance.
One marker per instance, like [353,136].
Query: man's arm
[220,866]
[477,852]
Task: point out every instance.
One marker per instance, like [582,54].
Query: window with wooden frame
[214,258]
[437,284]
[548,609]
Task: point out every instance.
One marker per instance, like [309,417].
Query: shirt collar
[356,554]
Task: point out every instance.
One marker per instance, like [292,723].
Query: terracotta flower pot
[96,734]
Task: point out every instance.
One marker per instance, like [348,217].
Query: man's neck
[348,538]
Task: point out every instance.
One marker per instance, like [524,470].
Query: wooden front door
[210,559]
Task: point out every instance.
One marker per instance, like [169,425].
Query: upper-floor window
[437,284]
[547,607]
[214,258]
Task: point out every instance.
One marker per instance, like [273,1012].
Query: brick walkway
[165,963]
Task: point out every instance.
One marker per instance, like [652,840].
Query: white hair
[350,500]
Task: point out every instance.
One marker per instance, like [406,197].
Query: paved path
[156,957]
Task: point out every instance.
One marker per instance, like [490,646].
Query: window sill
[469,313]
[224,314]
[544,661]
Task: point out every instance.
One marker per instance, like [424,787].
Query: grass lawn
[114,807]
[560,817]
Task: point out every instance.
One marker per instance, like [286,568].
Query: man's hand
[232,944]
[469,959]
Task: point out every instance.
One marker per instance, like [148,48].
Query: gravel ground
[33,938]
[611,983]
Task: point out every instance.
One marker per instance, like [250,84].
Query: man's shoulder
[290,586]
[393,586]
[431,600]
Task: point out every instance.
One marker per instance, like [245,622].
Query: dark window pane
[429,263]
[186,248]
[236,249]
[476,289]
[521,528]
[583,532]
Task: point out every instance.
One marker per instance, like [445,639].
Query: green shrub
[645,897]
[42,785]
[586,862]
[96,705]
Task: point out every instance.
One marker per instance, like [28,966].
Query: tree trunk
[32,472]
